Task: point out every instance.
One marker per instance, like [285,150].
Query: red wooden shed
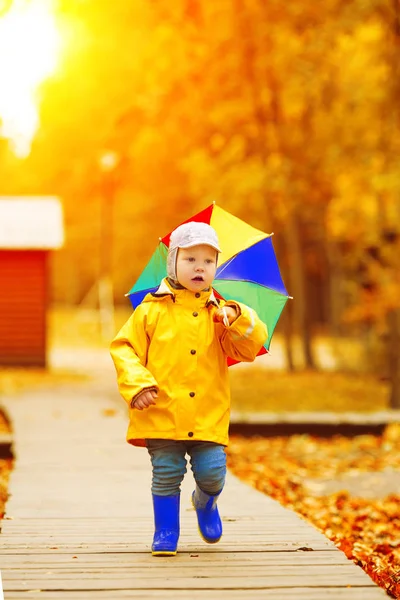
[30,227]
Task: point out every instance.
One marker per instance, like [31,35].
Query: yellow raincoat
[171,343]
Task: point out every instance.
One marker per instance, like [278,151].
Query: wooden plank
[296,593]
[96,582]
[322,418]
[172,568]
[120,522]
[135,524]
[185,542]
[182,558]
[261,528]
[195,547]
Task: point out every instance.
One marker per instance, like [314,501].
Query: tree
[288,119]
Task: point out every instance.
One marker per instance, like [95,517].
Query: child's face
[196,267]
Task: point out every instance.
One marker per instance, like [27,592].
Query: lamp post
[108,162]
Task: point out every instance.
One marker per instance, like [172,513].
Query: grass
[254,388]
[262,390]
[17,379]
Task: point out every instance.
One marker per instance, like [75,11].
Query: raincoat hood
[174,291]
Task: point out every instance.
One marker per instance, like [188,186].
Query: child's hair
[188,235]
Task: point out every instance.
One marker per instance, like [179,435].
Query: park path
[79,520]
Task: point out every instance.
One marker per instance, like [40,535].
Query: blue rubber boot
[209,521]
[166,525]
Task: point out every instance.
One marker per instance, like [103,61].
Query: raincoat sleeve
[244,337]
[129,353]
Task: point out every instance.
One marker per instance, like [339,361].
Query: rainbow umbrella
[248,269]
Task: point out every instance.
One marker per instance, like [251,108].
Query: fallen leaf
[367,530]
[109,412]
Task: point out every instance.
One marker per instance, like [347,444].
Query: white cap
[193,234]
[188,235]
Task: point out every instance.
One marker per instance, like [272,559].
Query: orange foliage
[288,118]
[367,530]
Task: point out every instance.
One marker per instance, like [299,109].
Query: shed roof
[34,222]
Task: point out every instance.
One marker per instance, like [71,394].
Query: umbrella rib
[142,290]
[225,265]
[266,287]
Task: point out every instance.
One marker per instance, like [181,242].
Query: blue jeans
[168,457]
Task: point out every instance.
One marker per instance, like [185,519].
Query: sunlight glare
[29,46]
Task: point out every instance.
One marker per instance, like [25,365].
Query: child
[171,363]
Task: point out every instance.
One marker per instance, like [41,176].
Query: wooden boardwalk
[79,520]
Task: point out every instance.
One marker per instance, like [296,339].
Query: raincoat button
[190,434]
[195,314]
[193,352]
[197,295]
[192,394]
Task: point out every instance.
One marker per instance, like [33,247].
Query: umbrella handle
[225,320]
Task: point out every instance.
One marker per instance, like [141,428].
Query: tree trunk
[335,277]
[298,286]
[261,119]
[287,319]
[105,283]
[394,357]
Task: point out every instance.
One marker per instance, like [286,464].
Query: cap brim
[191,244]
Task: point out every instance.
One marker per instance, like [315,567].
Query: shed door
[23,302]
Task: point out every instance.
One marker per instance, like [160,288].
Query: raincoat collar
[165,289]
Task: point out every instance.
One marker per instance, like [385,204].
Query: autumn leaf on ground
[109,412]
[366,529]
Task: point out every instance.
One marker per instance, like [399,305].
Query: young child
[171,364]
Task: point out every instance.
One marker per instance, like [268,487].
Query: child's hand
[145,399]
[230,311]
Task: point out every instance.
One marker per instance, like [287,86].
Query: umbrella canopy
[248,269]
